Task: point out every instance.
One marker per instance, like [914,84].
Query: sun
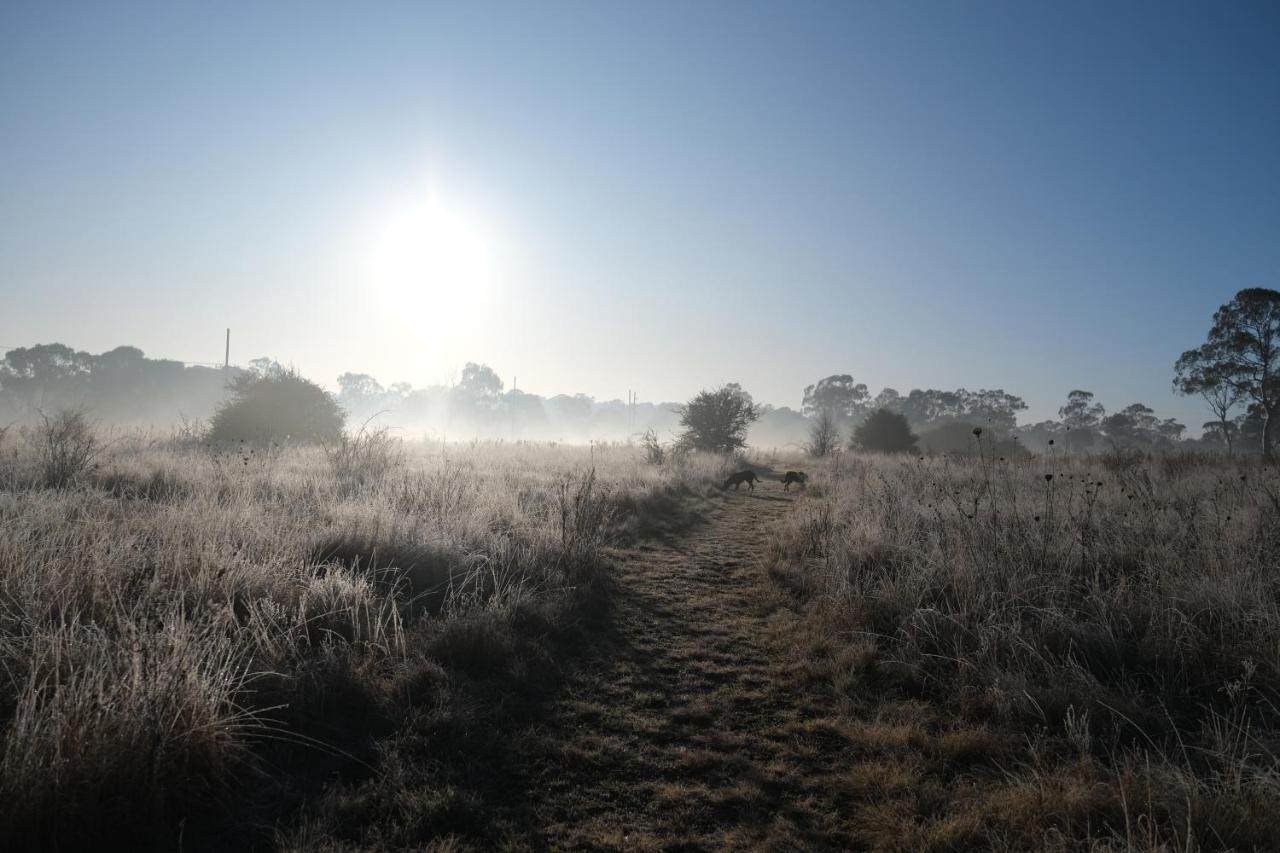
[431,256]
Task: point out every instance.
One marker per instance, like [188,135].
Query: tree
[1136,425]
[473,402]
[120,358]
[824,435]
[571,415]
[885,431]
[523,412]
[1039,437]
[1196,372]
[781,426]
[481,383]
[358,386]
[1081,412]
[363,397]
[1242,350]
[925,408]
[45,374]
[1129,426]
[1082,417]
[43,363]
[1169,431]
[266,366]
[275,406]
[888,398]
[994,408]
[954,437]
[1217,434]
[1249,429]
[718,420]
[837,394]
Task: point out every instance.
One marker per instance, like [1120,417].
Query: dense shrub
[276,406]
[886,432]
[717,421]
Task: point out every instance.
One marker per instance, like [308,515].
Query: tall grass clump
[363,459]
[655,453]
[584,515]
[1110,624]
[67,447]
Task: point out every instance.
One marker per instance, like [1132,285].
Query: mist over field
[640,426]
[124,389]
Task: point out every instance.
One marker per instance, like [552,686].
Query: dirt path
[685,728]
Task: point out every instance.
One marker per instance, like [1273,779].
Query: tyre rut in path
[685,727]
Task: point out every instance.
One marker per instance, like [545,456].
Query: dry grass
[1090,647]
[197,643]
[365,647]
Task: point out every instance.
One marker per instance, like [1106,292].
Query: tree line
[123,386]
[1236,372]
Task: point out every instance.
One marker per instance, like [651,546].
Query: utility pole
[226,359]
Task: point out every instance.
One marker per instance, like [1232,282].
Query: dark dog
[735,480]
[798,477]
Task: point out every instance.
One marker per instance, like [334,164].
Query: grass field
[1050,652]
[385,645]
[196,642]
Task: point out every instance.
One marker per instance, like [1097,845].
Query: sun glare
[433,257]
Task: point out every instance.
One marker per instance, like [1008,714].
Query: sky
[598,197]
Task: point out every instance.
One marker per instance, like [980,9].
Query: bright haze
[596,197]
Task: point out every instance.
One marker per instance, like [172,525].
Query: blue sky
[1030,196]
